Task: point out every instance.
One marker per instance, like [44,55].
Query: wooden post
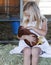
[21,10]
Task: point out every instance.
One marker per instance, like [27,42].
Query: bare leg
[35,55]
[27,53]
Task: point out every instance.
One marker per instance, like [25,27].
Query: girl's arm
[30,38]
[42,31]
[21,38]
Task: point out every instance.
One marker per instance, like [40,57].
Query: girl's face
[27,14]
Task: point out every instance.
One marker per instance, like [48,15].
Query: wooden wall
[1,2]
[12,6]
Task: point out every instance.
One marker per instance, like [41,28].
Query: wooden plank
[1,2]
[11,7]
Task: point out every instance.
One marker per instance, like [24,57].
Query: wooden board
[1,2]
[10,6]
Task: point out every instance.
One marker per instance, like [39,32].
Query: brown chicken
[24,31]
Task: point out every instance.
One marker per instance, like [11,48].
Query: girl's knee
[36,50]
[27,51]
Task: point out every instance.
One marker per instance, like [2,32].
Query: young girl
[37,24]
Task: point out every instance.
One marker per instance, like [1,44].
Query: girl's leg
[35,55]
[27,53]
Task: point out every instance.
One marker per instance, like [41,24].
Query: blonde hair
[35,12]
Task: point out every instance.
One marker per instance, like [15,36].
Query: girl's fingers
[29,27]
[32,35]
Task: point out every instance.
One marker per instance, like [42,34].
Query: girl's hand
[30,27]
[22,37]
[30,38]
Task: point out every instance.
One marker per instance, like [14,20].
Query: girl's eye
[28,15]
